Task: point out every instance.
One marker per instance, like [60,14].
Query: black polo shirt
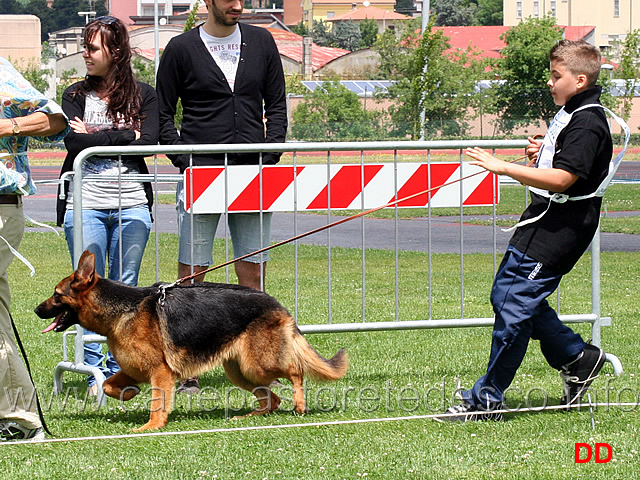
[583,148]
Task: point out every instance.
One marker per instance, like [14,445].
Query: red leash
[330,225]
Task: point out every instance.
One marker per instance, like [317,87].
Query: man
[24,112]
[229,79]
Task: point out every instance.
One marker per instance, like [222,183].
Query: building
[292,12]
[20,39]
[326,9]
[612,19]
[384,18]
[125,9]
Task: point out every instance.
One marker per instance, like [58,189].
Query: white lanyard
[547,152]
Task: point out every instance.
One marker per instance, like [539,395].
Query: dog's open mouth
[62,321]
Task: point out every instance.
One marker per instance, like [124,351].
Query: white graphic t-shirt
[225,52]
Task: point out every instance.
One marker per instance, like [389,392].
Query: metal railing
[325,148]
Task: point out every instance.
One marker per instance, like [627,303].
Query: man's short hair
[579,57]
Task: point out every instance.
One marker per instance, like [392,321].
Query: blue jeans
[101,236]
[518,297]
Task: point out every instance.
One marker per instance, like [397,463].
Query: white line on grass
[313,424]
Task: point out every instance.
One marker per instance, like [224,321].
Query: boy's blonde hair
[579,57]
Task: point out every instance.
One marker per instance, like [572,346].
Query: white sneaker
[466,412]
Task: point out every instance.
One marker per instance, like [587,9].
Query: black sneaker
[578,375]
[465,412]
[189,386]
[12,431]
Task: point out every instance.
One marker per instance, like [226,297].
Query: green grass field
[392,374]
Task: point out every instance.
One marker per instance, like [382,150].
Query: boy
[553,233]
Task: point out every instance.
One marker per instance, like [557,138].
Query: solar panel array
[361,87]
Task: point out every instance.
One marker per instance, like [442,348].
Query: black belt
[9,199]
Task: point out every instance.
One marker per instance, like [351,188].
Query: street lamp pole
[426,7]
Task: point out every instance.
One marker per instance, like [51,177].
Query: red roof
[290,45]
[487,39]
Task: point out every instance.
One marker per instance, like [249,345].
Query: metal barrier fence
[397,150]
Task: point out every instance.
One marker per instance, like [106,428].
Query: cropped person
[226,75]
[554,231]
[24,113]
[109,108]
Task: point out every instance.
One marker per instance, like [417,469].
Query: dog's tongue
[54,324]
[51,327]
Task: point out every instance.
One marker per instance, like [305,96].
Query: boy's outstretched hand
[553,179]
[484,159]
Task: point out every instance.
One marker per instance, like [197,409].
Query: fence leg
[595,288]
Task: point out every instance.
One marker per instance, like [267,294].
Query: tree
[40,9]
[333,112]
[368,32]
[67,78]
[144,71]
[629,69]
[38,77]
[430,81]
[346,35]
[489,12]
[396,48]
[301,29]
[10,7]
[452,12]
[293,85]
[523,98]
[65,12]
[193,17]
[321,34]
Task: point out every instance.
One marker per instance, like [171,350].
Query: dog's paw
[149,426]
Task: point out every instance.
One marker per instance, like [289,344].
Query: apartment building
[612,19]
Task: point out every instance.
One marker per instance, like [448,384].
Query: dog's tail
[311,363]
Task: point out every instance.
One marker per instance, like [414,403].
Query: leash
[26,363]
[178,282]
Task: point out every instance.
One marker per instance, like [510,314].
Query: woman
[109,108]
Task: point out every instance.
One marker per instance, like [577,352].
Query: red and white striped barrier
[349,187]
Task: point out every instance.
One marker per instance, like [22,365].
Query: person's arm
[169,81]
[38,124]
[275,103]
[73,107]
[167,86]
[552,179]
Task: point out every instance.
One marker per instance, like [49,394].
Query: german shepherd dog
[158,337]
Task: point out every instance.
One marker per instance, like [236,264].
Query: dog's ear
[86,271]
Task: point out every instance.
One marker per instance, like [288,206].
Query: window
[616,8]
[331,14]
[553,8]
[149,11]
[536,8]
[519,9]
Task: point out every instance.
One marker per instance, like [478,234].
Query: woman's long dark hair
[119,85]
